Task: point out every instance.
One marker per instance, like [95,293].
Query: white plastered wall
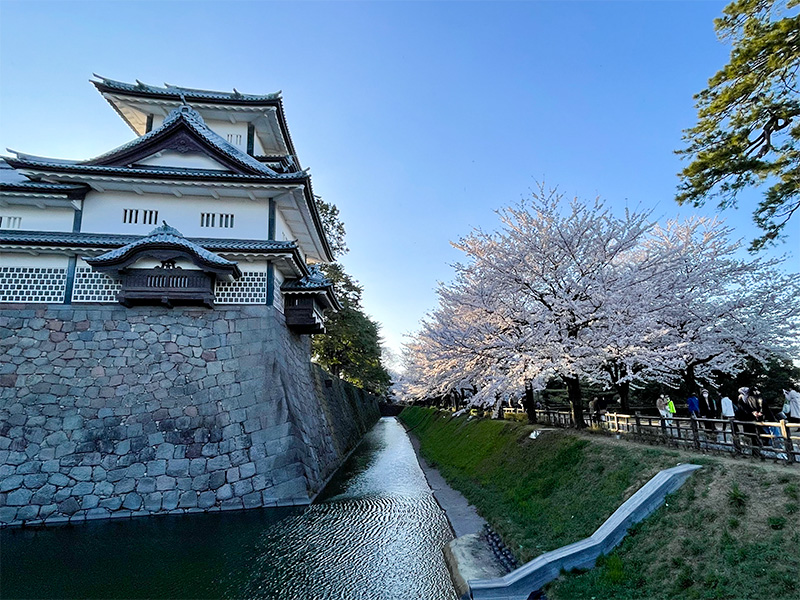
[103,213]
[223,128]
[251,288]
[20,259]
[282,231]
[187,160]
[26,278]
[40,219]
[277,295]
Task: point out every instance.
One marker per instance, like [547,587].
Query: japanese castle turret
[220,168]
[156,304]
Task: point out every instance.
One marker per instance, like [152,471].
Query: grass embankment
[732,531]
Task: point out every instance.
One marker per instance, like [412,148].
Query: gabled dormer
[183,141]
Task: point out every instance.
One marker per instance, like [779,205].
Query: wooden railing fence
[778,440]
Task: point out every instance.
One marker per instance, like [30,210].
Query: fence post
[737,449]
[664,429]
[695,433]
[637,416]
[786,432]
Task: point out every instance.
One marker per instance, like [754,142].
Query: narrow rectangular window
[8,222]
[150,217]
[210,220]
[235,139]
[130,215]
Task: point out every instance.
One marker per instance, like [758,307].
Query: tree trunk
[497,411]
[691,382]
[617,372]
[529,404]
[575,401]
[624,391]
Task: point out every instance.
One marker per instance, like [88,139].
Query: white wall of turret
[34,218]
[282,231]
[138,214]
[193,216]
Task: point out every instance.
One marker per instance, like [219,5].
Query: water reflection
[376,533]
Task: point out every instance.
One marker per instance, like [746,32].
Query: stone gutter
[519,584]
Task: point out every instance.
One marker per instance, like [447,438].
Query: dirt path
[689,456]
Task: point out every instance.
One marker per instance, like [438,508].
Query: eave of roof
[315,284]
[45,164]
[113,240]
[68,189]
[180,93]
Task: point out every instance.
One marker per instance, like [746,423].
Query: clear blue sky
[418,119]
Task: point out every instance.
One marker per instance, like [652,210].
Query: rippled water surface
[377,533]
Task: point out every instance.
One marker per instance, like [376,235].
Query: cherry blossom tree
[568,289]
[534,292]
[715,310]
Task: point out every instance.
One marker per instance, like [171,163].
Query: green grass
[732,531]
[538,494]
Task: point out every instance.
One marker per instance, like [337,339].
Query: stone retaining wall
[114,412]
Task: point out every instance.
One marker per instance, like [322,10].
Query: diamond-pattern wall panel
[32,284]
[91,286]
[250,288]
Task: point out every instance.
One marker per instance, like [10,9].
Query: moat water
[375,533]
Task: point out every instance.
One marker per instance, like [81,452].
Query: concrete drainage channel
[523,582]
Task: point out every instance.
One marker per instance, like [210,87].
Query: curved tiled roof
[33,162]
[313,283]
[11,179]
[162,237]
[176,92]
[111,240]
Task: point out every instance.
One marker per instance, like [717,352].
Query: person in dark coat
[708,409]
[746,410]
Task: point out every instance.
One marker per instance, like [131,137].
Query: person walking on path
[728,412]
[708,409]
[661,404]
[793,404]
[694,406]
[747,410]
